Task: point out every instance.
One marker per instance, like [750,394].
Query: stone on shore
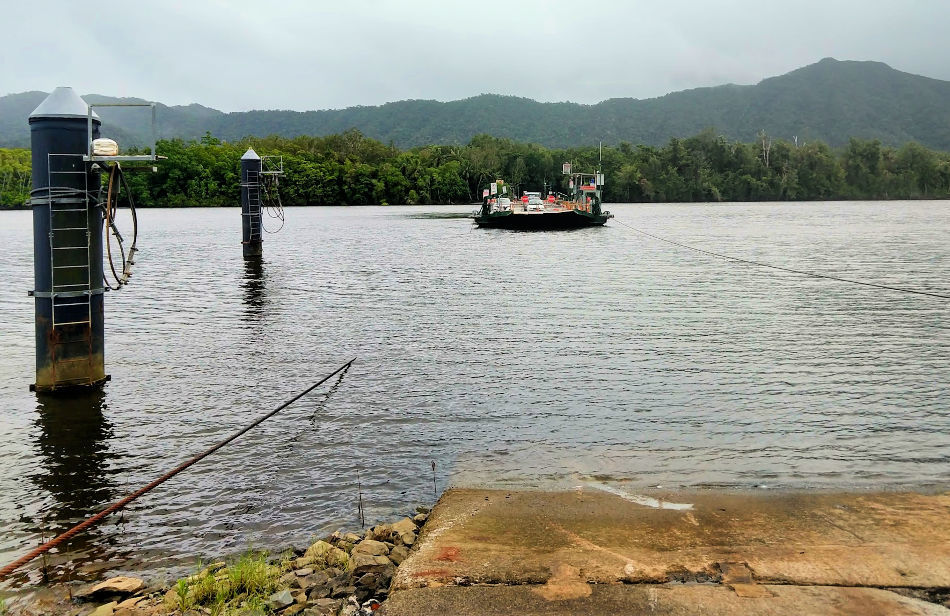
[280,599]
[403,526]
[342,591]
[121,586]
[381,532]
[105,610]
[398,554]
[371,547]
[365,563]
[325,607]
[129,604]
[322,555]
[316,579]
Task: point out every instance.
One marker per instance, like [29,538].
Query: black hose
[118,180]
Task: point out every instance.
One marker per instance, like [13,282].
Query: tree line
[351,169]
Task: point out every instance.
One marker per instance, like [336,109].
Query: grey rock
[399,554]
[303,572]
[325,607]
[386,576]
[318,578]
[280,599]
[291,580]
[368,580]
[342,591]
[362,594]
[320,591]
[343,579]
[364,563]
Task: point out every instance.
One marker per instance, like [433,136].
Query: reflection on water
[255,287]
[72,442]
[72,445]
[515,359]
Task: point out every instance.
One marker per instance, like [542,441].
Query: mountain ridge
[830,100]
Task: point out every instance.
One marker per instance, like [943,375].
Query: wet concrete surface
[677,553]
[660,600]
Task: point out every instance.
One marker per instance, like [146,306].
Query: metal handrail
[151,157]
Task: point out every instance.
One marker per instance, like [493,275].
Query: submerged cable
[6,571]
[779,267]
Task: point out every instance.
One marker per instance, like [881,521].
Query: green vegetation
[828,101]
[15,180]
[227,588]
[350,169]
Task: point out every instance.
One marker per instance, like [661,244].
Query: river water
[546,360]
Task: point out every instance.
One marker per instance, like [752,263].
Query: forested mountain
[831,101]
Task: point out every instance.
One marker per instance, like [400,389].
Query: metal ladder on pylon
[71,284]
[253,184]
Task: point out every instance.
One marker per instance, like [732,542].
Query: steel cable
[779,267]
[9,569]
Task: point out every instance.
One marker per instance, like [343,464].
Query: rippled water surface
[515,359]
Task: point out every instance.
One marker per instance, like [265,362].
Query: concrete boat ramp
[590,551]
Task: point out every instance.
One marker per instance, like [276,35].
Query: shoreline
[18,208]
[579,551]
[346,573]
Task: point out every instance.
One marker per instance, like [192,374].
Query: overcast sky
[311,54]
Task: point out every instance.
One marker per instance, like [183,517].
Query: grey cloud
[317,55]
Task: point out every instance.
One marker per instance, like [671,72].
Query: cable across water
[9,569]
[779,267]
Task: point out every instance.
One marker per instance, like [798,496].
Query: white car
[502,205]
[535,204]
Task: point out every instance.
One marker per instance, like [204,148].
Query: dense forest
[351,169]
[830,101]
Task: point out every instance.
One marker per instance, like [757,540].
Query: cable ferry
[581,208]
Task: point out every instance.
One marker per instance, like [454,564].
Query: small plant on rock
[181,592]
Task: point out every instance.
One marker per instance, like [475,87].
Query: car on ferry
[535,203]
[503,204]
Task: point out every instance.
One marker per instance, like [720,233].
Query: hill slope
[831,100]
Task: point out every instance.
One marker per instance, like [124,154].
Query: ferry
[581,208]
